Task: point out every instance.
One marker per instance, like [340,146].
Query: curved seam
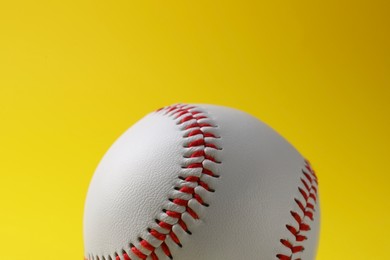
[303,219]
[200,129]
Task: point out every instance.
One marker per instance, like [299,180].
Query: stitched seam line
[304,216]
[201,152]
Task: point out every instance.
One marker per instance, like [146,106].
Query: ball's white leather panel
[260,174]
[131,185]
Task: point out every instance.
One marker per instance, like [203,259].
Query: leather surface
[260,174]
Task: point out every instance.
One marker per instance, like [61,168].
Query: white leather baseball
[201,182]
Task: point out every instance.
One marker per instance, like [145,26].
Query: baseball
[201,182]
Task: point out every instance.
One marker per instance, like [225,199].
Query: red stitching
[308,190]
[184,114]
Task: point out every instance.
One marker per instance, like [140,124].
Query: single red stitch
[209,135]
[199,153]
[283,257]
[185,119]
[165,225]
[297,249]
[304,227]
[303,193]
[212,146]
[175,238]
[300,204]
[181,113]
[183,225]
[292,229]
[309,214]
[170,109]
[126,256]
[198,142]
[194,165]
[305,184]
[146,245]
[157,234]
[166,250]
[210,158]
[313,196]
[198,198]
[308,176]
[178,110]
[192,179]
[300,238]
[286,243]
[208,172]
[180,202]
[173,214]
[192,126]
[310,206]
[296,216]
[194,113]
[192,213]
[204,185]
[195,132]
[186,189]
[154,256]
[138,253]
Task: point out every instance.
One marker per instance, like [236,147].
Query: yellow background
[75,74]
